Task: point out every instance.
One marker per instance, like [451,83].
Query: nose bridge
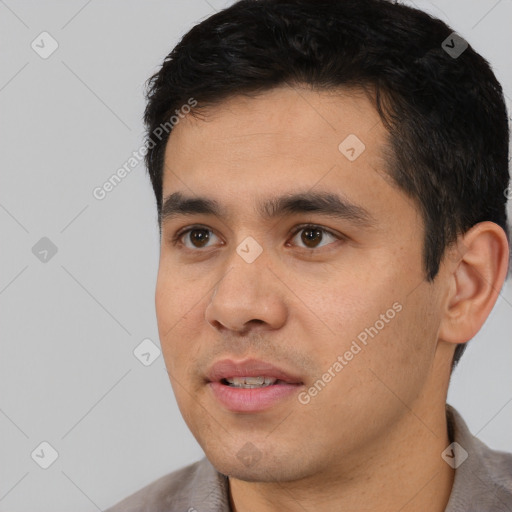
[245,292]
[246,266]
[248,257]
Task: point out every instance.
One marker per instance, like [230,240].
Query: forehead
[282,142]
[282,114]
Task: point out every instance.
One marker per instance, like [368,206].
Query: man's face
[341,306]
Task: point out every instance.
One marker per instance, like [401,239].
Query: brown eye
[312,236]
[194,238]
[199,237]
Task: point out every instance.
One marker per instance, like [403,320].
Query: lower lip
[251,399]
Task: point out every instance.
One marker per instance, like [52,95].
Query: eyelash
[180,234]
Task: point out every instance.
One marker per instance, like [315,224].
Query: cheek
[180,317]
[402,352]
[171,310]
[173,297]
[351,306]
[378,320]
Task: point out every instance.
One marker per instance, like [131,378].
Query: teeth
[251,382]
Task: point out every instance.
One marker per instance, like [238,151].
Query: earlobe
[477,269]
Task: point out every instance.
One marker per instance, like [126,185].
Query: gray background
[68,375]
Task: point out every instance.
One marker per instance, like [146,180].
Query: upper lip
[227,368]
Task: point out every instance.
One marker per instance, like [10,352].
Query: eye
[198,236]
[313,235]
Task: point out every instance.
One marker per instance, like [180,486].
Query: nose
[248,296]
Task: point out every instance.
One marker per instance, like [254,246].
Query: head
[276,114]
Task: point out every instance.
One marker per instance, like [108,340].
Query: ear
[477,268]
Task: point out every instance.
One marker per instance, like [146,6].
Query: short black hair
[445,113]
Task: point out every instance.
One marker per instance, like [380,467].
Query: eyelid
[300,227]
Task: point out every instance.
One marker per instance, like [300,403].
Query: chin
[264,469]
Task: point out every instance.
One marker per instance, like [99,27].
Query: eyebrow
[331,205]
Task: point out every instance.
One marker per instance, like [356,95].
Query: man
[331,182]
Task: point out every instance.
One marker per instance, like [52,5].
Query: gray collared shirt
[483,481]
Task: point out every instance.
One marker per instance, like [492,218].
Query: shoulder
[497,466]
[195,486]
[483,476]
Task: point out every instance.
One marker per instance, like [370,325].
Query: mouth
[251,385]
[252,382]
[250,372]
